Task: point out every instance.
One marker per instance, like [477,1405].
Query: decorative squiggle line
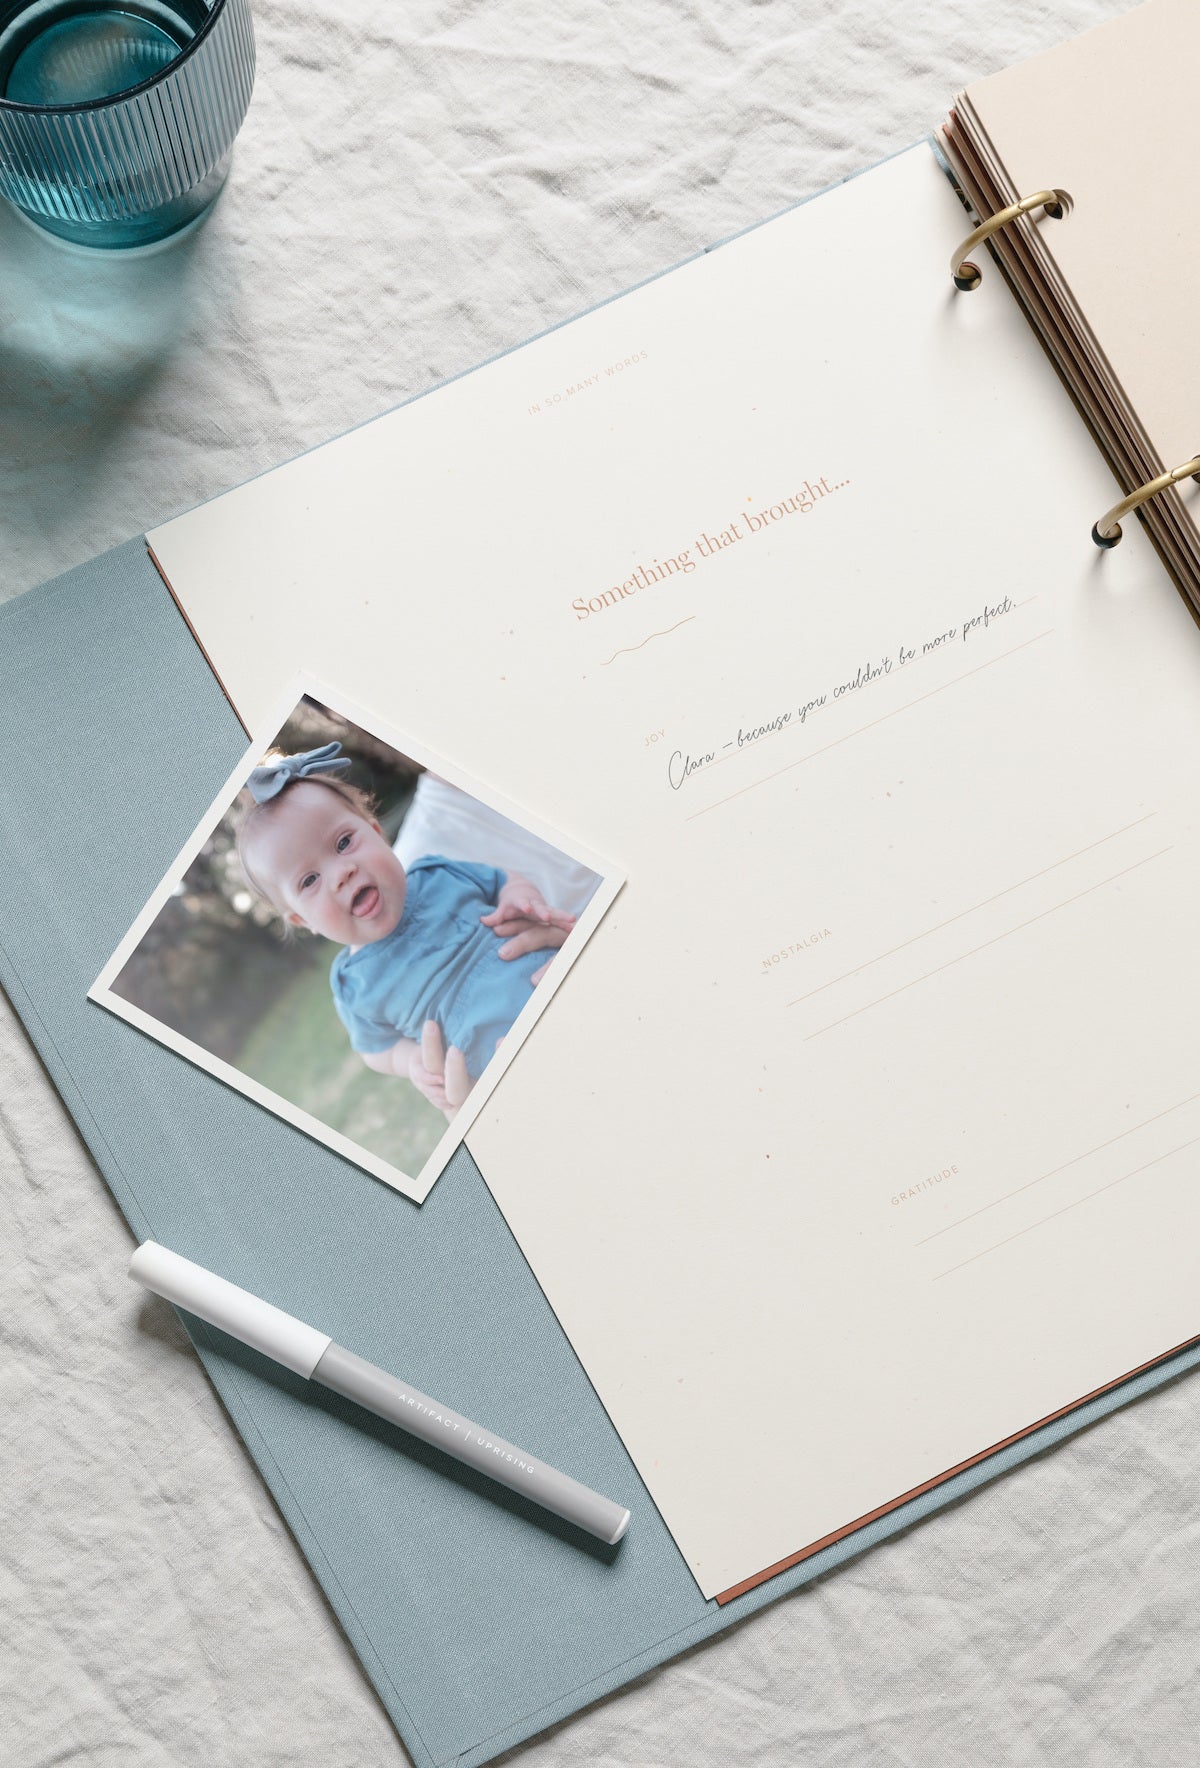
[628,648]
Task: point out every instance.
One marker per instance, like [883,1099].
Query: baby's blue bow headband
[268,782]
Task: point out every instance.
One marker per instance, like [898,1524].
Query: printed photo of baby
[359,939]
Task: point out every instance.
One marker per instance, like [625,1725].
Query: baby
[422,969]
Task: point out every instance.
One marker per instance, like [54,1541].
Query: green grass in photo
[301,1051]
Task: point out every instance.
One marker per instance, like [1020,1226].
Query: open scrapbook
[858,1144]
[773,579]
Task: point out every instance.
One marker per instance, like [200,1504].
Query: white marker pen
[314,1355]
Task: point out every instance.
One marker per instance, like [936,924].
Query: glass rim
[128,92]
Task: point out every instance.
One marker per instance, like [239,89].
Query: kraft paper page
[1112,117]
[866,1133]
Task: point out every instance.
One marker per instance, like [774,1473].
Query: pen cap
[244,1316]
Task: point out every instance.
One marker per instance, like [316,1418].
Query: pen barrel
[386,1396]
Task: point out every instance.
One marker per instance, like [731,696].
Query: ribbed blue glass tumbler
[117,117]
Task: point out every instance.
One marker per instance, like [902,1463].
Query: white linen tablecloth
[414,190]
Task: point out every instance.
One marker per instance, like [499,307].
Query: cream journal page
[864,1133]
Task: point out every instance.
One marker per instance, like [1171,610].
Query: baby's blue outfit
[438,963]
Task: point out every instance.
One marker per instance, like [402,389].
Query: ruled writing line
[1086,1198]
[829,705]
[1074,1161]
[988,942]
[986,903]
[882,719]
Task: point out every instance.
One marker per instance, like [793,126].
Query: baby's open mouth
[365,901]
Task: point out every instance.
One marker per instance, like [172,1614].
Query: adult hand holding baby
[526,922]
[437,1072]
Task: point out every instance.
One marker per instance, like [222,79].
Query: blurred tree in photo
[390,778]
[213,959]
[217,967]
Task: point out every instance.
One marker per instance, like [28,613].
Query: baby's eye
[308,880]
[343,842]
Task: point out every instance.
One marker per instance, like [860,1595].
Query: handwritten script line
[975,949]
[882,719]
[815,713]
[830,704]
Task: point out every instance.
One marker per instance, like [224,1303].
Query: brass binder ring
[1107,531]
[1056,204]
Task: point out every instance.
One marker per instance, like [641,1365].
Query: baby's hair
[252,814]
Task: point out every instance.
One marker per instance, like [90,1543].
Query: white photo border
[416,1186]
